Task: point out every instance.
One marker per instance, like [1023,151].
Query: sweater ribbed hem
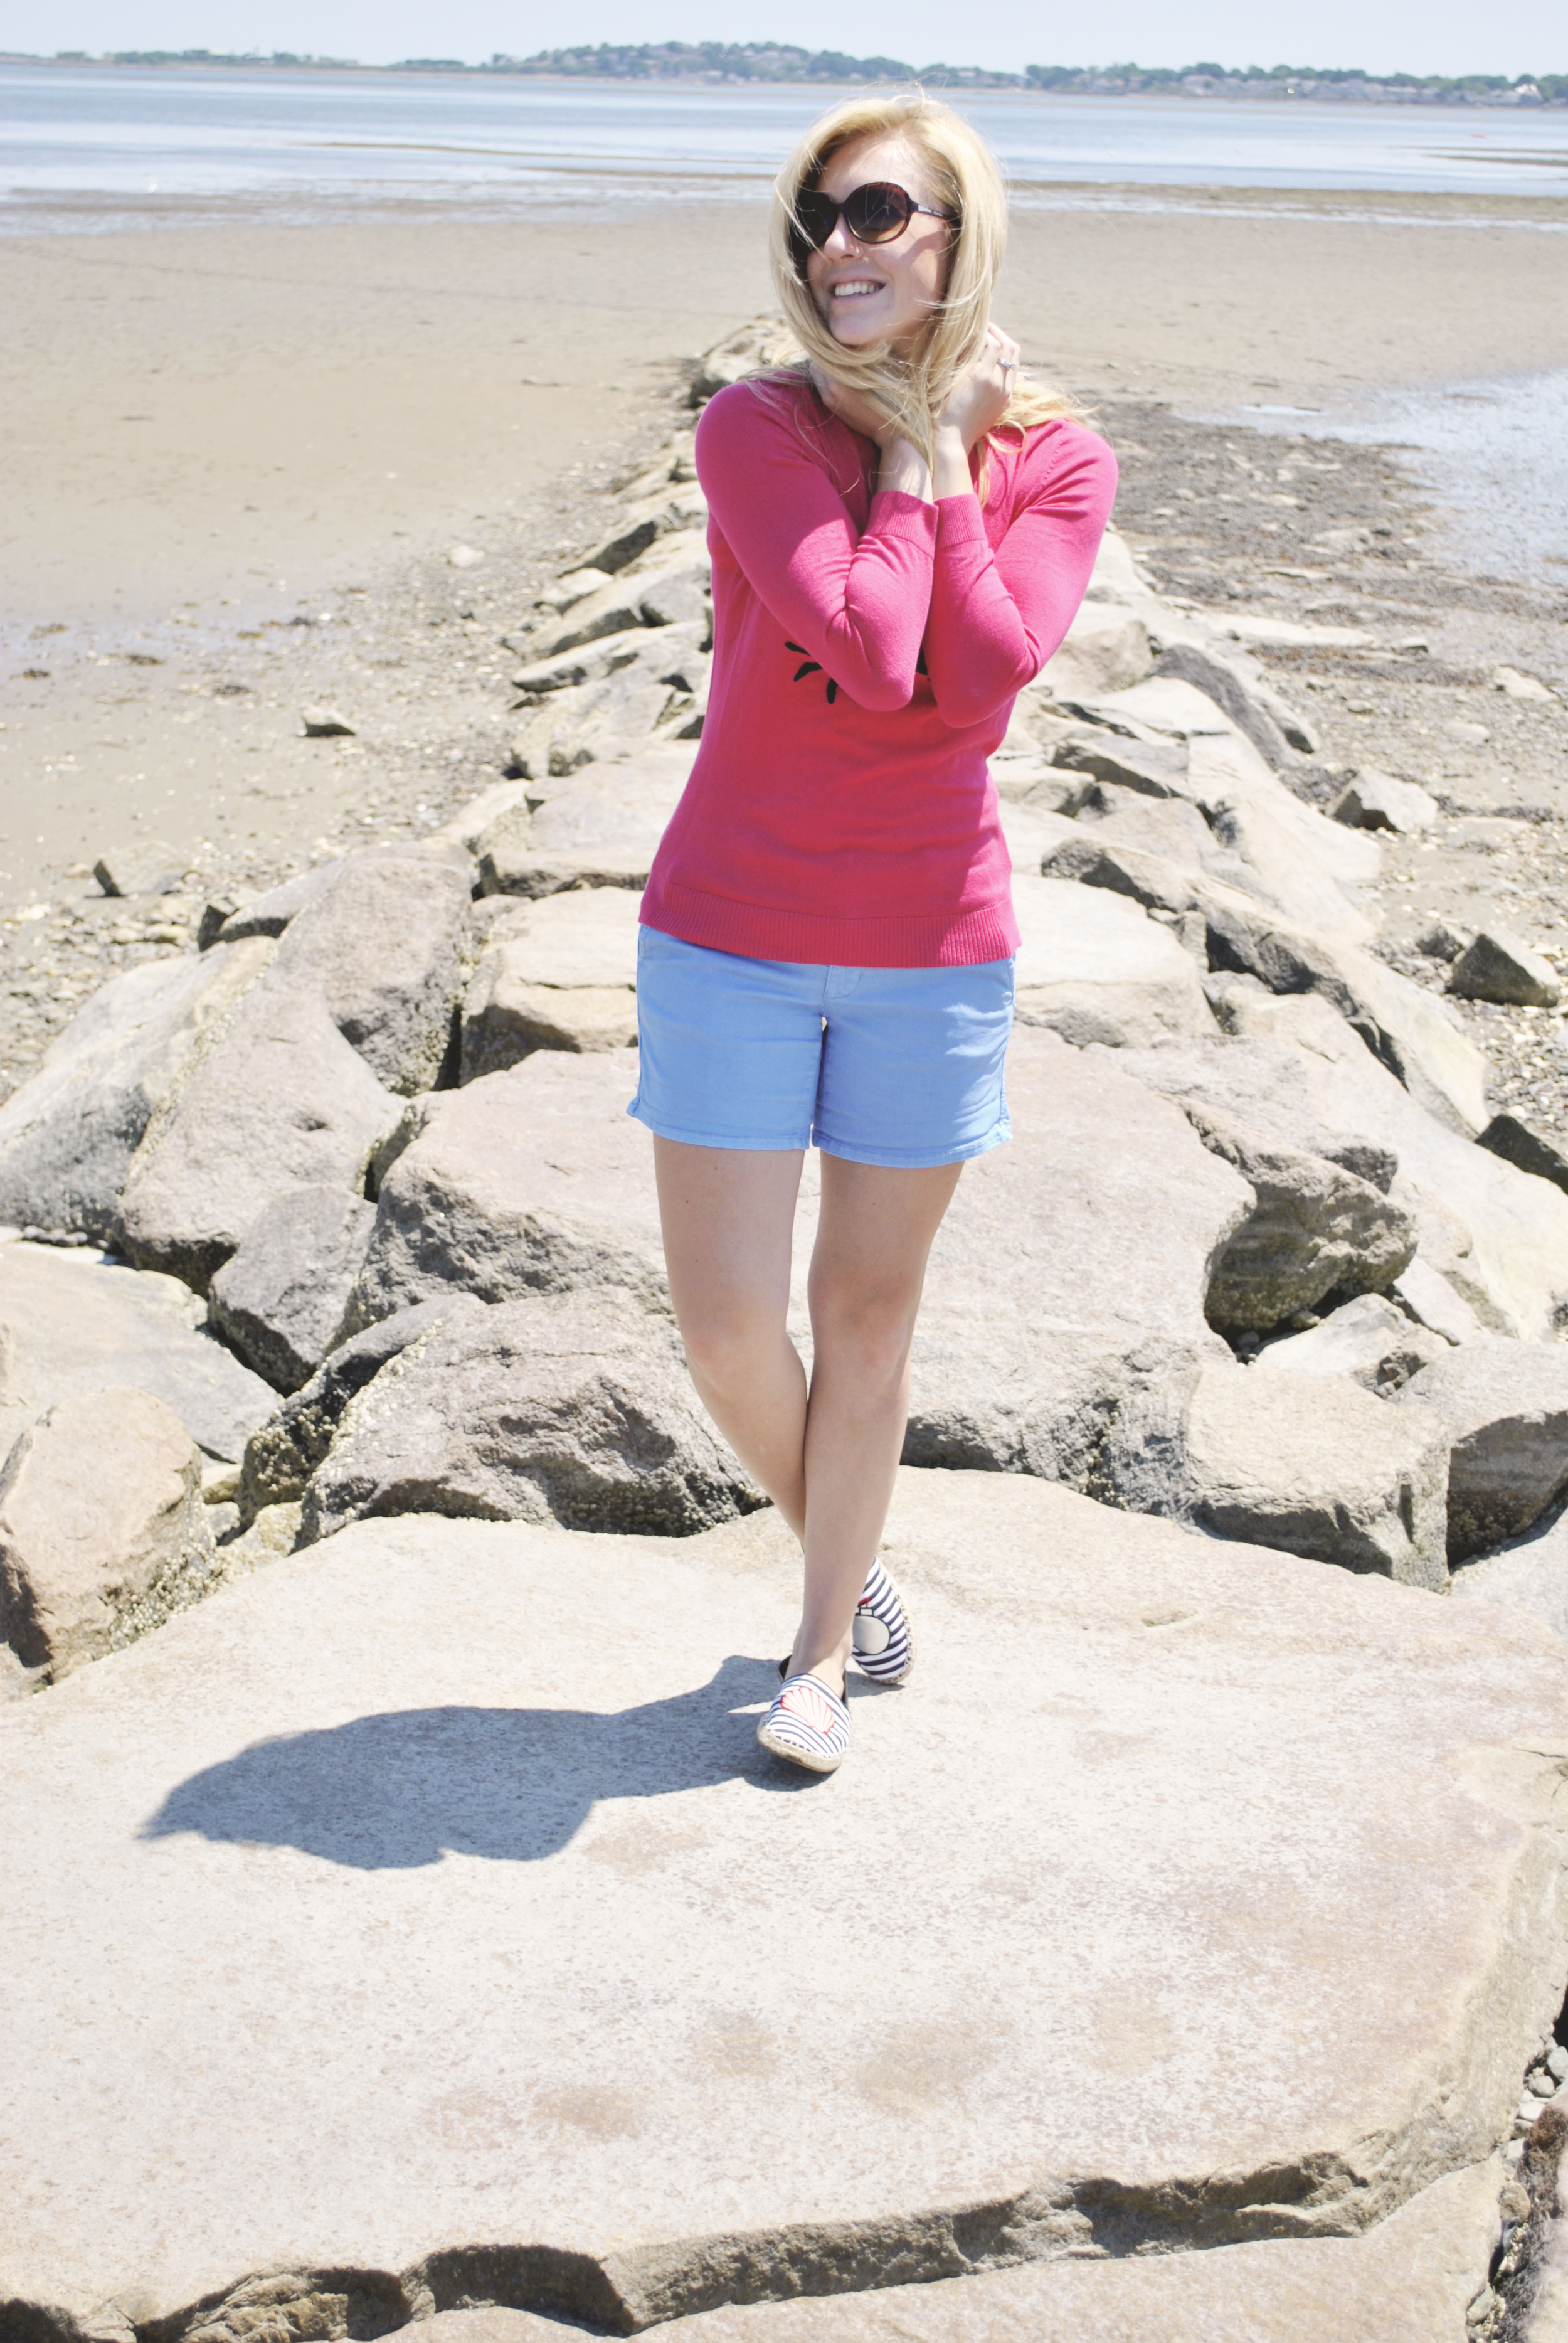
[966,938]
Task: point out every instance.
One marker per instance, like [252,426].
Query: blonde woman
[901,529]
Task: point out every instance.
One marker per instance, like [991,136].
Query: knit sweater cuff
[894,513]
[959,519]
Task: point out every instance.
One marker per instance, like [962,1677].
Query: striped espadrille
[806,1726]
[884,1639]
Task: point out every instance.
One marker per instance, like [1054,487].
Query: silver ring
[1006,366]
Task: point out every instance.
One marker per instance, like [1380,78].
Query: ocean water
[312,144]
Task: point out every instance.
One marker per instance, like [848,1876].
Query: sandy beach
[238,455]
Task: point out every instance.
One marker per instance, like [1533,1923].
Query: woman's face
[871,293]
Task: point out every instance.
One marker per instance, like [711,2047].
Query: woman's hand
[978,400]
[867,415]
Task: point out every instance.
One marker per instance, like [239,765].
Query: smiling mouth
[856,289]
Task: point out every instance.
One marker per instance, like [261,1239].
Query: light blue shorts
[899,1066]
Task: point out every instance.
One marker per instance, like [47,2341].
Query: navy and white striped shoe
[884,1639]
[806,1726]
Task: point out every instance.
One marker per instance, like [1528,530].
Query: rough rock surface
[421,1734]
[384,947]
[1497,966]
[1053,1289]
[1307,1464]
[506,1020]
[1527,1150]
[1095,969]
[1105,649]
[1313,1226]
[103,1531]
[279,1300]
[1505,1408]
[1381,801]
[1412,2279]
[1528,1573]
[68,1134]
[1298,1073]
[1368,1339]
[72,1322]
[571,1407]
[601,832]
[282,1102]
[268,914]
[282,1454]
[532,1180]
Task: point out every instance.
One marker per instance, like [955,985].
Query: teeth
[841,292]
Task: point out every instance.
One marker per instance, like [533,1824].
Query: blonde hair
[967,183]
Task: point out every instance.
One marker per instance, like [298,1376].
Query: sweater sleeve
[856,600]
[996,619]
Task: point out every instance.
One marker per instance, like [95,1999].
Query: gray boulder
[1295,1072]
[1220,681]
[1499,966]
[1055,1286]
[669,513]
[1104,650]
[103,1531]
[1527,1574]
[69,1133]
[284,1103]
[532,1180]
[1153,767]
[1095,969]
[279,1300]
[145,866]
[1505,1409]
[1304,1463]
[1313,1226]
[1381,801]
[269,915]
[665,590]
[575,1407]
[282,1454]
[71,1322]
[505,1017]
[1526,1149]
[1368,1338]
[384,946]
[601,832]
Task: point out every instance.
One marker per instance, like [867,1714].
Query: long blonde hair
[966,183]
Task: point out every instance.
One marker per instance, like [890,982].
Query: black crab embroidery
[812,667]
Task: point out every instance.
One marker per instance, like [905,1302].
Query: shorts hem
[663,1129]
[914,1159]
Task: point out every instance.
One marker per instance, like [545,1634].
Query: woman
[901,531]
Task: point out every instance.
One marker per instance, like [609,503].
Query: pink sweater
[867,649]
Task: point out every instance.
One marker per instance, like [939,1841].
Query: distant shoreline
[719,65]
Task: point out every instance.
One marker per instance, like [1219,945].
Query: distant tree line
[739,62]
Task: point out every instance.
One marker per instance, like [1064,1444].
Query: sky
[1440,36]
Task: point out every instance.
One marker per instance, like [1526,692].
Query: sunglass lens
[876,213]
[814,214]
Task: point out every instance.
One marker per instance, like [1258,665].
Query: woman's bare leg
[728,1215]
[866,1274]
[827,1462]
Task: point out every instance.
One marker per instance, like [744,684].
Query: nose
[840,245]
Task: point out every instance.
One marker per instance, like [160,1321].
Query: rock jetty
[394,1890]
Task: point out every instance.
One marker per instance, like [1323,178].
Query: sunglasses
[874,214]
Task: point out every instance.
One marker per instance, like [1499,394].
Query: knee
[724,1348]
[866,1324]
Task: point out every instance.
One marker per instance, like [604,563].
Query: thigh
[912,1064]
[875,1229]
[729,1217]
[730,1049]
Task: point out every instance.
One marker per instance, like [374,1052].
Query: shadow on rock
[394,1792]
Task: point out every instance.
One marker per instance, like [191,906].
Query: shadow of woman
[394,1792]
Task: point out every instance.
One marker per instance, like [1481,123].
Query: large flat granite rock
[418,1920]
